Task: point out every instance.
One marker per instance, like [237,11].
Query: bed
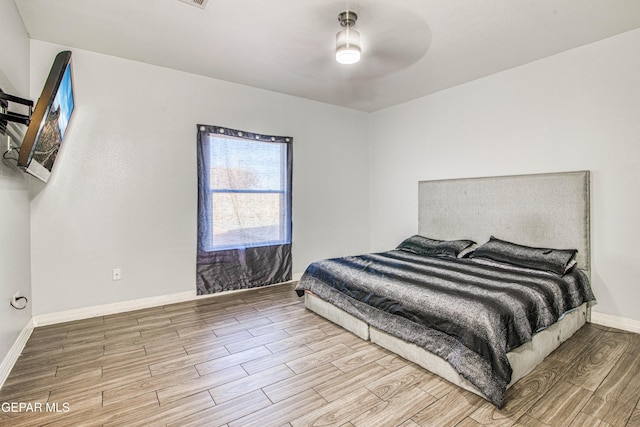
[464,311]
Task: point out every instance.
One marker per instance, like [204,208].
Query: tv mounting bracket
[7,116]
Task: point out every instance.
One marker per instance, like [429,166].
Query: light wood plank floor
[259,357]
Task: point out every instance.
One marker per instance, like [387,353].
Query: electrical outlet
[116,274]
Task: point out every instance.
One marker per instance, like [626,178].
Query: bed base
[522,359]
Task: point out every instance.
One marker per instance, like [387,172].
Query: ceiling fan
[388,38]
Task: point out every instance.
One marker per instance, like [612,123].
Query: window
[244,200]
[248,191]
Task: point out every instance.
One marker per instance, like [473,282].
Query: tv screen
[49,121]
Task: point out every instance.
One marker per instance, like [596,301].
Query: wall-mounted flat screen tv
[49,121]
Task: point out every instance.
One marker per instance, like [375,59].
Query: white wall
[573,111]
[14,194]
[123,192]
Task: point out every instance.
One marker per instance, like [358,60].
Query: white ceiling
[410,47]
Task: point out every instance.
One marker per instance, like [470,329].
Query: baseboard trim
[115,308]
[617,322]
[14,352]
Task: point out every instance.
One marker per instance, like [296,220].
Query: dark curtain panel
[244,209]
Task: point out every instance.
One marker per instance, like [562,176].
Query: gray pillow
[558,261]
[424,246]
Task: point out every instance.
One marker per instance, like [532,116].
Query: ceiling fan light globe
[348,55]
[348,46]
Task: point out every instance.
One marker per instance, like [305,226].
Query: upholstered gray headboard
[542,210]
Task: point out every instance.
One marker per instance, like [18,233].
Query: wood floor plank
[186,316]
[282,412]
[297,339]
[409,423]
[594,365]
[449,410]
[160,333]
[273,359]
[78,389]
[116,321]
[185,388]
[522,395]
[82,402]
[50,383]
[226,412]
[10,415]
[395,409]
[68,371]
[164,364]
[613,412]
[436,386]
[275,325]
[46,333]
[58,357]
[216,342]
[468,422]
[122,346]
[222,362]
[623,381]
[300,383]
[529,421]
[561,404]
[120,373]
[256,341]
[295,314]
[340,411]
[354,360]
[584,420]
[590,333]
[171,412]
[341,338]
[24,375]
[236,388]
[327,327]
[120,410]
[348,382]
[147,385]
[632,339]
[391,362]
[616,398]
[634,420]
[89,361]
[407,377]
[140,361]
[318,358]
[192,328]
[241,326]
[218,320]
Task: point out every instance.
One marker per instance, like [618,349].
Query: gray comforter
[469,312]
